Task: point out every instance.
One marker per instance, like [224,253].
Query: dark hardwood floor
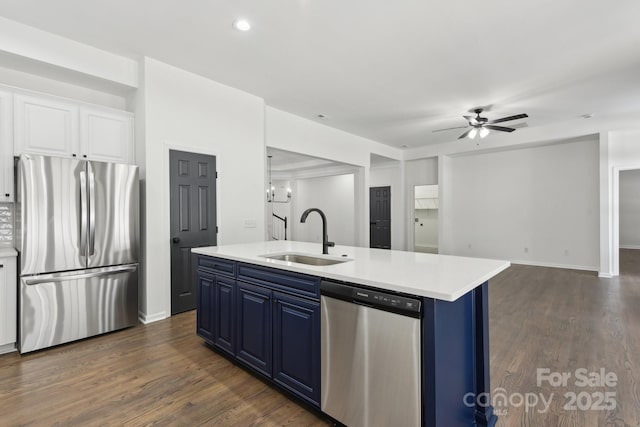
[565,320]
[162,373]
[156,374]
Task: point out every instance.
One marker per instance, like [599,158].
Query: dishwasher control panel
[372,298]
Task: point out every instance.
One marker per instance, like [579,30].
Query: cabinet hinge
[216,229]
[216,175]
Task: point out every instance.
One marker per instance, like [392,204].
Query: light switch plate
[250,223]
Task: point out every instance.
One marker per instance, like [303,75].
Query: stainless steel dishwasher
[370,347]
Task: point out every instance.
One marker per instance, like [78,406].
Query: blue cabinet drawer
[217,265]
[300,284]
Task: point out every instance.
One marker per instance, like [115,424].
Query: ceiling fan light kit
[481,126]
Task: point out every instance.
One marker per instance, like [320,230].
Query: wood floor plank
[163,374]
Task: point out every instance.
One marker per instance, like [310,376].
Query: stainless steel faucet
[326,244]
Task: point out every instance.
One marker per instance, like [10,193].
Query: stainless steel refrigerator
[77,233]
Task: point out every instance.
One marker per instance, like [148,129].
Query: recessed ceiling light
[241,25]
[404,146]
[321,116]
[587,116]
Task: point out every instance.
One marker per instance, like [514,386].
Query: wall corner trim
[150,318]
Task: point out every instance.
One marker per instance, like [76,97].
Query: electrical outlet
[526,250]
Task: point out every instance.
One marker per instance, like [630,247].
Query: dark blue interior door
[254,327]
[193,220]
[296,340]
[380,217]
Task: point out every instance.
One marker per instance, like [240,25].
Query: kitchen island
[263,311]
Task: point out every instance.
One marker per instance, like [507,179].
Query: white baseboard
[150,318]
[8,348]
[427,246]
[629,246]
[553,265]
[605,275]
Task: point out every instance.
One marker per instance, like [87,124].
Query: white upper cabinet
[45,125]
[6,146]
[60,127]
[106,135]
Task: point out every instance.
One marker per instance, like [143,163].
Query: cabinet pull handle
[6,194]
[1,265]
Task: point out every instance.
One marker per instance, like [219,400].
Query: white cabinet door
[45,126]
[8,304]
[106,135]
[6,146]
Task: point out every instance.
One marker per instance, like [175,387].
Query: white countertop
[7,252]
[442,277]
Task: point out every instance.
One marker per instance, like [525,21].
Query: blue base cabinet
[295,353]
[224,314]
[266,319]
[215,317]
[204,314]
[254,327]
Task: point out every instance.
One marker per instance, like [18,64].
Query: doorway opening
[425,216]
[629,222]
[193,222]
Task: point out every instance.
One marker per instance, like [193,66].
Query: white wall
[535,205]
[391,175]
[24,80]
[334,195]
[289,132]
[33,49]
[619,151]
[188,112]
[630,209]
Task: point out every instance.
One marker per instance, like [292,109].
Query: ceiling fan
[480,126]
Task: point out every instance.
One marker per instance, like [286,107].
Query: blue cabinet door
[204,307]
[296,340]
[224,312]
[254,327]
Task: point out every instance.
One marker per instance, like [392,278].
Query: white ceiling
[392,71]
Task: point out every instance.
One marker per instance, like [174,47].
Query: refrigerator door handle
[83,213]
[63,278]
[92,211]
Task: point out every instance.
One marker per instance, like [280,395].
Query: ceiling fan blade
[464,135]
[499,128]
[472,120]
[507,119]
[457,127]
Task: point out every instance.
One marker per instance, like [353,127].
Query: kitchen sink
[306,259]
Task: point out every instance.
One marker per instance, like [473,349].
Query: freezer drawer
[64,307]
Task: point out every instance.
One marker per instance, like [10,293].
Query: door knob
[176,240]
